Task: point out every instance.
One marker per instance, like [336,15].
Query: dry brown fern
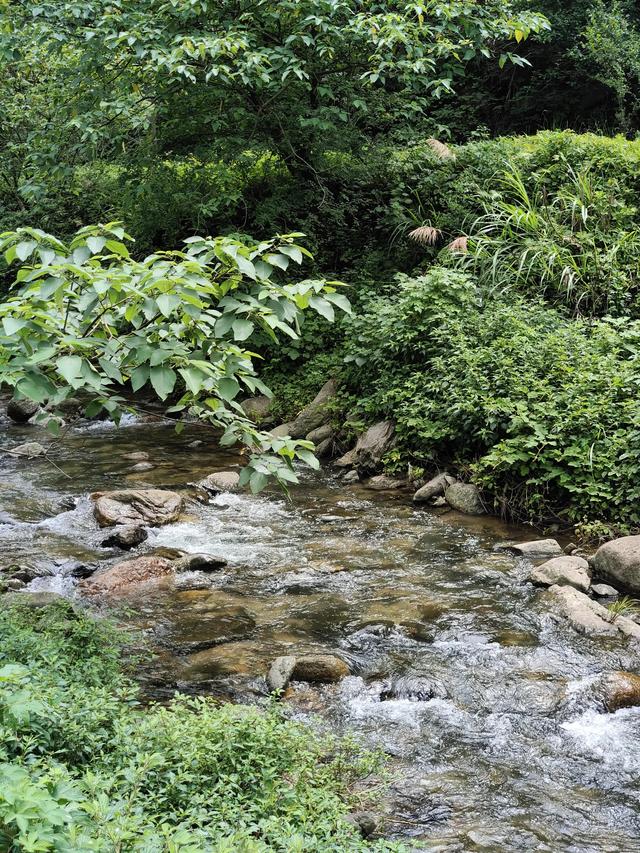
[460,245]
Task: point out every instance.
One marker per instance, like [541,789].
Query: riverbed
[478,695]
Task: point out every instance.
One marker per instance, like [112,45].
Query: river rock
[384,483]
[315,413]
[136,456]
[603,590]
[221,481]
[351,477]
[464,497]
[322,433]
[122,577]
[536,549]
[618,690]
[365,822]
[20,411]
[619,561]
[204,627]
[126,537]
[153,507]
[435,487]
[142,466]
[282,431]
[587,616]
[280,672]
[324,669]
[564,571]
[199,563]
[371,446]
[256,408]
[324,449]
[29,450]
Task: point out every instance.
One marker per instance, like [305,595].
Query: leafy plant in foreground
[85,318]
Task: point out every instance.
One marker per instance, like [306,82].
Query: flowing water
[478,696]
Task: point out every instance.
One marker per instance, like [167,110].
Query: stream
[479,697]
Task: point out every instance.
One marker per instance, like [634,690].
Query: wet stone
[126,537]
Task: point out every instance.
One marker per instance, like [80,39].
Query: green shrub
[83,766]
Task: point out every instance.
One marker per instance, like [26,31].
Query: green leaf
[308,457]
[36,387]
[96,244]
[257,482]
[228,388]
[23,250]
[323,307]
[163,380]
[167,303]
[139,377]
[70,368]
[193,378]
[340,301]
[242,329]
[12,325]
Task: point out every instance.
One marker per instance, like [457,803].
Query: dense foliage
[84,767]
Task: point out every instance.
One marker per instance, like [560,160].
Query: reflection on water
[480,699]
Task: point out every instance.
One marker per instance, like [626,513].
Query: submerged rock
[619,561]
[20,411]
[465,497]
[324,669]
[435,487]
[412,687]
[587,616]
[280,672]
[142,466]
[537,549]
[220,481]
[136,507]
[126,537]
[564,571]
[29,450]
[126,575]
[618,690]
[136,456]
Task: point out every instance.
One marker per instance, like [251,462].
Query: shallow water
[479,697]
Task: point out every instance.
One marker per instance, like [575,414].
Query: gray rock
[619,561]
[564,571]
[324,669]
[199,563]
[142,466]
[322,433]
[13,585]
[221,481]
[324,449]
[536,549]
[136,507]
[29,450]
[384,483]
[280,673]
[371,446]
[435,487]
[348,460]
[256,408]
[587,616]
[136,456]
[126,537]
[282,431]
[464,497]
[20,411]
[315,414]
[603,590]
[365,822]
[351,477]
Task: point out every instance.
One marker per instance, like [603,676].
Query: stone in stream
[414,688]
[143,466]
[220,481]
[29,450]
[153,507]
[322,433]
[371,446]
[280,672]
[619,561]
[136,456]
[618,690]
[126,537]
[384,483]
[324,449]
[603,590]
[564,571]
[434,488]
[122,577]
[351,477]
[323,669]
[465,497]
[199,563]
[587,616]
[536,549]
[281,431]
[20,411]
[315,414]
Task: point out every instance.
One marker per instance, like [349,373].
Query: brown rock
[221,481]
[153,507]
[384,483]
[124,576]
[319,668]
[434,488]
[619,690]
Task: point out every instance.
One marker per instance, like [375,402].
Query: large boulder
[257,408]
[20,411]
[618,690]
[464,497]
[221,481]
[315,414]
[123,577]
[564,571]
[587,616]
[319,668]
[619,561]
[135,507]
[371,446]
[435,487]
[536,549]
